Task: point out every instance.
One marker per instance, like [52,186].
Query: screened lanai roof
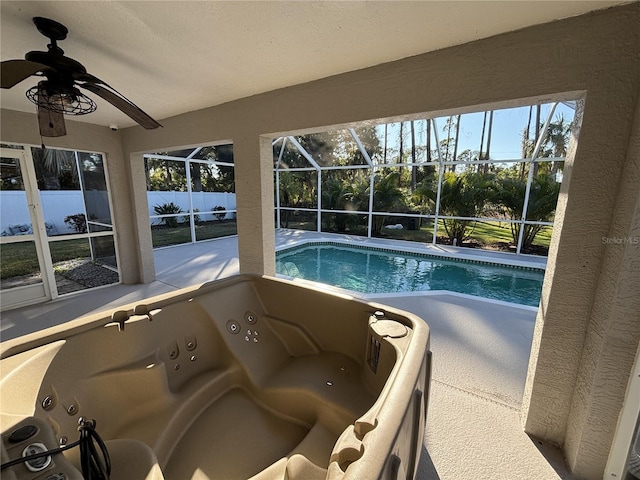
[425,140]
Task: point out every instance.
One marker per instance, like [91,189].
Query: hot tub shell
[247,377]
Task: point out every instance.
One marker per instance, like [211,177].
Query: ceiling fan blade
[121,103]
[87,77]
[51,123]
[15,71]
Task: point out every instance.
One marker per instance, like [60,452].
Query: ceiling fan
[57,95]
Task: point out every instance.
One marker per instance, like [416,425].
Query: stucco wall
[613,330]
[596,57]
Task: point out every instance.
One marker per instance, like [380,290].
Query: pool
[376,270]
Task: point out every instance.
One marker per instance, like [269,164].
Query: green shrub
[222,212]
[168,209]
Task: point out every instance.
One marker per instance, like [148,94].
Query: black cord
[91,461]
[95,465]
[35,456]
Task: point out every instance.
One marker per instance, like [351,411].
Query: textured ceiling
[175,57]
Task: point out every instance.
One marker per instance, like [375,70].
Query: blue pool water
[384,271]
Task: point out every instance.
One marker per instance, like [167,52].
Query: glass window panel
[298,189]
[60,194]
[55,169]
[19,265]
[104,250]
[94,185]
[14,211]
[10,175]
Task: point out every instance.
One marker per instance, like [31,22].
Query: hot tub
[246,378]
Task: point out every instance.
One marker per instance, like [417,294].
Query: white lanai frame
[188,160]
[441,166]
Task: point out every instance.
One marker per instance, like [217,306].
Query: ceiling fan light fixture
[69,101]
[57,95]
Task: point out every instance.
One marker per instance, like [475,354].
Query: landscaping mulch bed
[86,273]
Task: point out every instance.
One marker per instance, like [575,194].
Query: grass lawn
[165,236]
[17,259]
[489,235]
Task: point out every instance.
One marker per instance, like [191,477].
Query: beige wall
[587,314]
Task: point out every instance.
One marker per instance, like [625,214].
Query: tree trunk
[196,177]
[413,156]
[484,125]
[169,176]
[400,160]
[384,155]
[428,146]
[486,165]
[525,142]
[455,145]
[538,128]
[446,156]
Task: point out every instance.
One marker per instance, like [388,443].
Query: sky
[506,138]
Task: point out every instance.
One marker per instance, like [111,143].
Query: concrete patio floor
[480,351]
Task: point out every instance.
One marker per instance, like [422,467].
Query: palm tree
[463,195]
[543,197]
[558,137]
[387,196]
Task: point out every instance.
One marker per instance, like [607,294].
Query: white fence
[58,204]
[203,202]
